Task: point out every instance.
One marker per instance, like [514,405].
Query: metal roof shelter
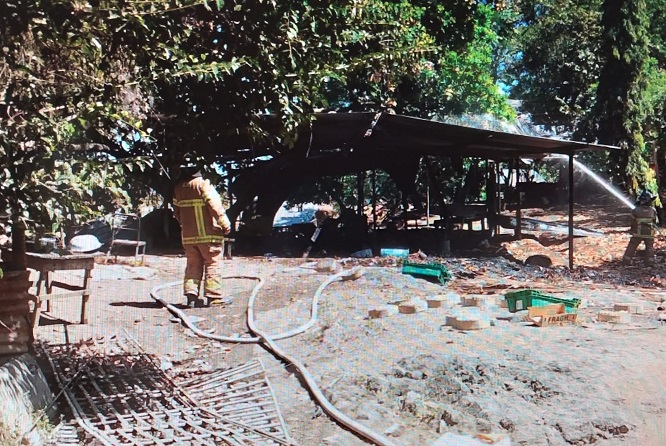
[384,134]
[335,132]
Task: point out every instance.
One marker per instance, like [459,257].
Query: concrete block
[471,323]
[412,306]
[327,266]
[614,317]
[628,307]
[478,300]
[383,311]
[446,300]
[439,301]
[468,318]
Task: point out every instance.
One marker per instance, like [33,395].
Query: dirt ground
[410,376]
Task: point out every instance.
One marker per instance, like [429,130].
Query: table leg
[86,294]
[84,301]
[39,283]
[49,290]
[36,313]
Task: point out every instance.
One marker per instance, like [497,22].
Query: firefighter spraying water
[643,228]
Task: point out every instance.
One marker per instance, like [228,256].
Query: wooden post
[230,196]
[571,209]
[427,198]
[519,214]
[374,199]
[360,179]
[404,211]
[498,195]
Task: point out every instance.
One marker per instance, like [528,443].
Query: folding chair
[126,232]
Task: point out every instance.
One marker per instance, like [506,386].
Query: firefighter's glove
[225,224]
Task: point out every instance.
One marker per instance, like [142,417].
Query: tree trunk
[660,171]
[18,244]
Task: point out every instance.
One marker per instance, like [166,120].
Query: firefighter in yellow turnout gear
[643,228]
[199,210]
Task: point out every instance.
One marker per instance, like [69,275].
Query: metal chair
[126,232]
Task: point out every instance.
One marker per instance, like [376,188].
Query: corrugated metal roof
[340,132]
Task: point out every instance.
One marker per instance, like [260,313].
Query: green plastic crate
[570,305]
[521,300]
[431,271]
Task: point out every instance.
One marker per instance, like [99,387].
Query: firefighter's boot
[193,301]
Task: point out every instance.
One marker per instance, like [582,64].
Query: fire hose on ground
[269,341]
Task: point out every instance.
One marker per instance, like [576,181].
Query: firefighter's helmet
[188,168]
[646,198]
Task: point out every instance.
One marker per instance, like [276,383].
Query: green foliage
[594,69]
[445,66]
[134,79]
[426,59]
[553,60]
[620,102]
[52,91]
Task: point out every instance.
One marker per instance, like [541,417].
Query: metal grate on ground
[120,396]
[241,394]
[64,434]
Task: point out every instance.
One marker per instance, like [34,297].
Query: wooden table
[45,264]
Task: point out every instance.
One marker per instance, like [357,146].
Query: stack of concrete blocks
[472,316]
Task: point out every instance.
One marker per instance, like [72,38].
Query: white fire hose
[269,341]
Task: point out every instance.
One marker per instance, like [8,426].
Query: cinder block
[614,317]
[437,301]
[383,311]
[478,300]
[471,323]
[450,321]
[327,266]
[628,307]
[412,306]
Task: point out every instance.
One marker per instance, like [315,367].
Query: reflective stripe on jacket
[645,218]
[198,208]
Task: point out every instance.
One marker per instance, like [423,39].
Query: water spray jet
[603,183]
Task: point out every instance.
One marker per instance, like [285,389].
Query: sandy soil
[409,376]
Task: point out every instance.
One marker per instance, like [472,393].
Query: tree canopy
[89,82]
[594,69]
[93,92]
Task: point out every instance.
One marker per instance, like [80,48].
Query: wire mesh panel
[241,394]
[120,396]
